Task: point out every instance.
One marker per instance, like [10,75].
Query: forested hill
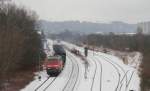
[87,27]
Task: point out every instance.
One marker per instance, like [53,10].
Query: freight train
[54,64]
[59,50]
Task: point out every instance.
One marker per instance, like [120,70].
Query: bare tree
[20,44]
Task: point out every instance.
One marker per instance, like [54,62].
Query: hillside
[87,27]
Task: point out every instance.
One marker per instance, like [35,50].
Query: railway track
[125,74]
[49,84]
[71,83]
[95,71]
[117,70]
[121,82]
[130,79]
[123,79]
[95,62]
[101,76]
[69,76]
[42,84]
[122,69]
[128,82]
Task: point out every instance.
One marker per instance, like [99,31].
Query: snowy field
[104,73]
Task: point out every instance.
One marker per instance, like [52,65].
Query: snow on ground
[134,59]
[104,73]
[129,58]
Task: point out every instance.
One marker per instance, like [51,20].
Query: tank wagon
[59,50]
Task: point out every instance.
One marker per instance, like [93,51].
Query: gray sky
[130,11]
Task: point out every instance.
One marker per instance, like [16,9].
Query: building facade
[144,28]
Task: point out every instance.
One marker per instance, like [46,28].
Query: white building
[144,28]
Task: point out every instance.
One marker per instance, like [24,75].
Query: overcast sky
[131,11]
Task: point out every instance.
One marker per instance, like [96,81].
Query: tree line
[20,42]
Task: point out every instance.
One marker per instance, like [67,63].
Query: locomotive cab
[54,65]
